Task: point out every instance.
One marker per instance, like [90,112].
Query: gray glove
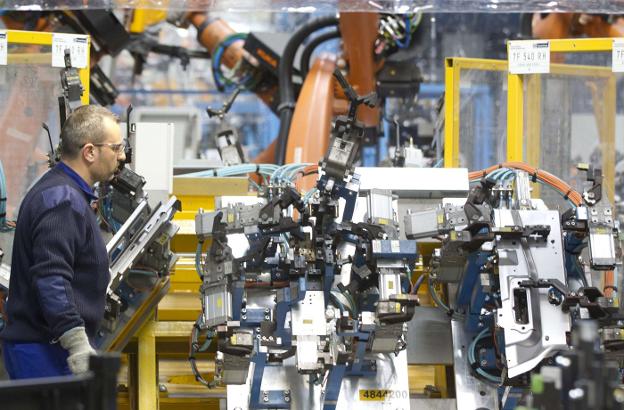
[76,342]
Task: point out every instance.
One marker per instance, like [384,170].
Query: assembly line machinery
[310,284]
[306,297]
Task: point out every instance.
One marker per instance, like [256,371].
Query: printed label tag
[529,57]
[78,46]
[3,47]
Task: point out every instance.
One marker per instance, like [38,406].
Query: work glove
[76,342]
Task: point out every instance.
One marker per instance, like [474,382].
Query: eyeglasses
[118,148]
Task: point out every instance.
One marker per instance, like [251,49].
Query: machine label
[3,47]
[529,57]
[382,395]
[617,55]
[78,46]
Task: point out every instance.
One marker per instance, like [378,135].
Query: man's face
[111,152]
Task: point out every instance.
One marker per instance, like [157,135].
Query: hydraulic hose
[286,89]
[304,65]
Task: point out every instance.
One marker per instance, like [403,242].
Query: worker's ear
[88,152]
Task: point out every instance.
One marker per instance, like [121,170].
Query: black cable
[193,349]
[304,62]
[286,89]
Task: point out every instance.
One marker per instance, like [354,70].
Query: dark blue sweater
[59,269]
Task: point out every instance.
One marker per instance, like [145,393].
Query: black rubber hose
[286,89]
[304,65]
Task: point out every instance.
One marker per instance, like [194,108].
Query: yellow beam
[451,115]
[574,45]
[84,74]
[515,117]
[608,143]
[482,64]
[534,119]
[534,124]
[148,374]
[41,38]
[581,70]
[210,186]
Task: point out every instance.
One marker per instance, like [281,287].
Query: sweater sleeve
[56,238]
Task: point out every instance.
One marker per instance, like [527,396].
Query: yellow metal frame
[45,39]
[515,105]
[452,77]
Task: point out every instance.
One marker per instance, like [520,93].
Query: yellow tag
[373,395]
[219,302]
[383,221]
[162,239]
[307,321]
[440,219]
[390,284]
[230,218]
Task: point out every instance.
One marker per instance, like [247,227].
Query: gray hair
[84,125]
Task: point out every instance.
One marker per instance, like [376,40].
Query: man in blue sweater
[60,268]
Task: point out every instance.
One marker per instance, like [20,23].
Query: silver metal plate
[527,342]
[429,339]
[308,316]
[470,392]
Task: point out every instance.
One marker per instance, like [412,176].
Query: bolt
[547,338]
[244,310]
[162,388]
[244,317]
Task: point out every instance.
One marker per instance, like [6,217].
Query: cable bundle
[538,175]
